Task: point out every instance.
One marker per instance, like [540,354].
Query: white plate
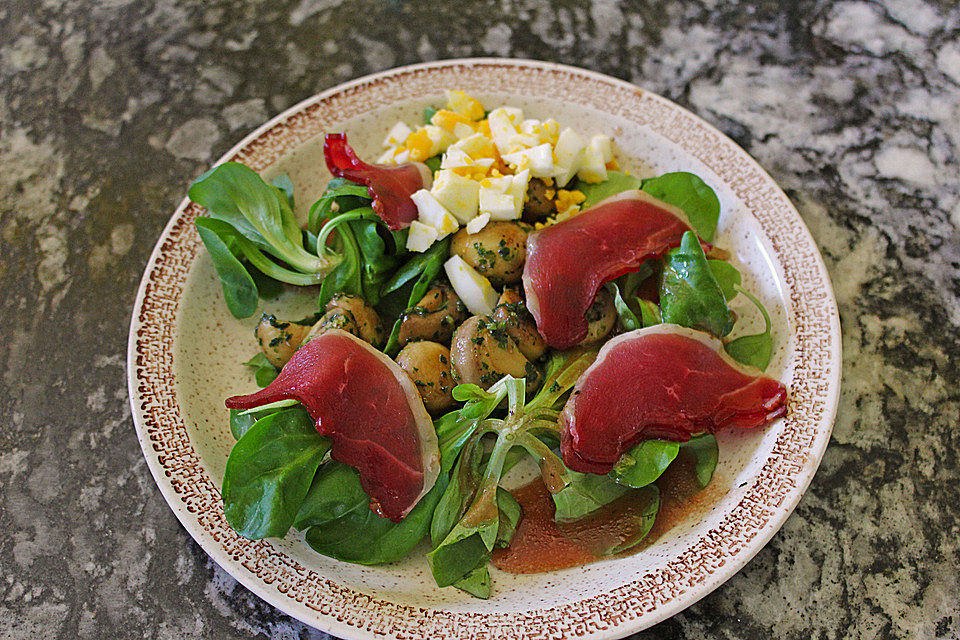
[185,352]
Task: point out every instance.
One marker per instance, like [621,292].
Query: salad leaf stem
[757,349]
[333,223]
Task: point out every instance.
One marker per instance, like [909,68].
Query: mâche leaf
[644,463]
[705,453]
[267,287]
[690,194]
[334,492]
[425,267]
[649,313]
[263,372]
[585,493]
[616,182]
[359,535]
[627,319]
[726,276]
[689,293]
[638,524]
[237,195]
[415,266]
[269,472]
[340,197]
[239,289]
[285,185]
[753,350]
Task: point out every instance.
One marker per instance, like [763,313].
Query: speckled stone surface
[108,109]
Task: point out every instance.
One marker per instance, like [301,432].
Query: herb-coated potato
[601,317]
[482,353]
[365,319]
[335,318]
[279,339]
[512,315]
[428,365]
[434,318]
[497,251]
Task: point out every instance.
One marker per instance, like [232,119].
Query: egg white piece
[397,134]
[474,290]
[539,160]
[460,196]
[569,153]
[431,213]
[477,224]
[420,236]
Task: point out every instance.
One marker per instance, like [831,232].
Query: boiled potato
[428,365]
[482,353]
[366,323]
[434,318]
[497,251]
[512,315]
[279,339]
[601,317]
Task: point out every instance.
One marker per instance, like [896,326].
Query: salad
[493,289]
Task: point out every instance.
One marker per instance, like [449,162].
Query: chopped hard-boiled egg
[502,197]
[478,223]
[420,236]
[593,168]
[604,145]
[427,141]
[476,146]
[538,159]
[473,289]
[460,102]
[388,156]
[487,163]
[397,135]
[453,123]
[569,153]
[596,155]
[455,157]
[497,205]
[567,200]
[459,195]
[431,213]
[502,127]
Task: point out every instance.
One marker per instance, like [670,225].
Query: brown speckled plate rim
[715,557]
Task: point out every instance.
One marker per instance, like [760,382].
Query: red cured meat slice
[665,382]
[390,186]
[568,262]
[371,411]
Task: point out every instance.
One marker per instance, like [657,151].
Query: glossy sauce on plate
[541,544]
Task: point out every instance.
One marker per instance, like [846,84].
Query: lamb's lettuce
[684,190]
[616,182]
[340,524]
[689,293]
[690,194]
[425,267]
[476,515]
[263,372]
[753,350]
[269,472]
[645,462]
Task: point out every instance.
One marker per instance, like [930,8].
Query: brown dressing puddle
[540,544]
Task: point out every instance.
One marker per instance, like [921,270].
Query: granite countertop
[109,108]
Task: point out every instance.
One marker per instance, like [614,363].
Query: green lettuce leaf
[689,293]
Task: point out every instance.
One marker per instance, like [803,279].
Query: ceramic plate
[185,355]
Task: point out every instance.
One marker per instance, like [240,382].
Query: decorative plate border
[650,598]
